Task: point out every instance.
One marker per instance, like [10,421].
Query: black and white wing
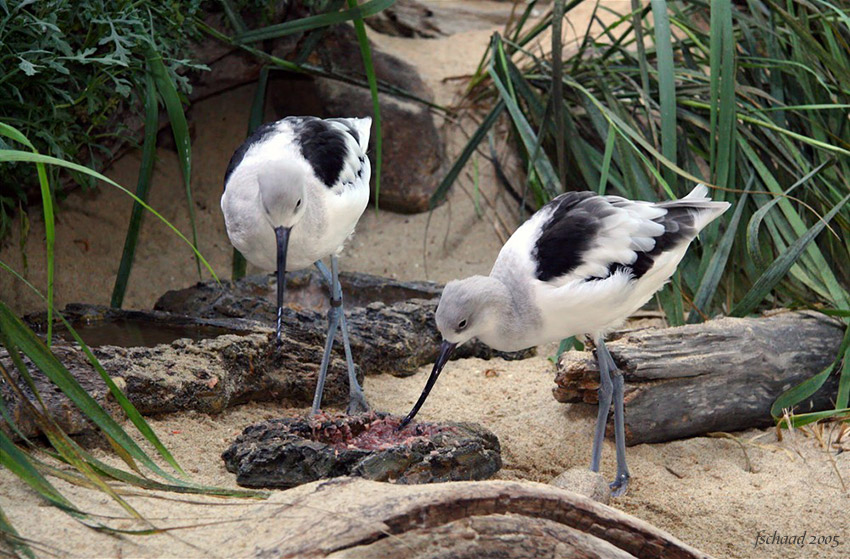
[580,236]
[334,148]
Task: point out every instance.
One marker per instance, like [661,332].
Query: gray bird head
[282,192]
[469,307]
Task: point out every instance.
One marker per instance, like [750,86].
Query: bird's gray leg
[357,400]
[606,390]
[621,482]
[333,322]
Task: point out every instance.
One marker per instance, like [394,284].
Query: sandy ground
[700,489]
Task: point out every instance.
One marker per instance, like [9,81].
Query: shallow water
[139,333]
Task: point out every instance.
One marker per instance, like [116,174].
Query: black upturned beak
[446,350]
[282,236]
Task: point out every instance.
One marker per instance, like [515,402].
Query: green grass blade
[725,132]
[796,394]
[17,155]
[366,54]
[666,86]
[719,257]
[467,152]
[21,336]
[777,270]
[671,301]
[17,462]
[558,91]
[239,267]
[127,407]
[643,64]
[49,221]
[180,129]
[13,539]
[142,190]
[606,160]
[821,268]
[843,397]
[541,164]
[313,22]
[233,16]
[753,246]
[799,420]
[255,119]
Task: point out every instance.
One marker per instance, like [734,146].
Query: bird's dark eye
[462,324]
[298,203]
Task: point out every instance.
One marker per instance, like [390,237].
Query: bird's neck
[519,320]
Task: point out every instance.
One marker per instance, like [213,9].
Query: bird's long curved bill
[282,236]
[446,350]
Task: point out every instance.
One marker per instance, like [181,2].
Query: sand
[700,489]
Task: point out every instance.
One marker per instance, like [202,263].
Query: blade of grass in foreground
[127,407]
[142,189]
[17,155]
[10,536]
[180,129]
[366,54]
[42,358]
[16,461]
[179,486]
[49,221]
[258,106]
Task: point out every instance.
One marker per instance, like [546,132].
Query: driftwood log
[722,375]
[359,519]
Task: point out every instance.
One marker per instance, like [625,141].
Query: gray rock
[406,18]
[293,451]
[584,482]
[413,151]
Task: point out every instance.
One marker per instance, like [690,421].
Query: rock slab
[293,451]
[390,331]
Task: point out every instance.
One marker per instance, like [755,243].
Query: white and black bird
[580,265]
[293,193]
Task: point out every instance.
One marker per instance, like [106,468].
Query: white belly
[597,307]
[329,219]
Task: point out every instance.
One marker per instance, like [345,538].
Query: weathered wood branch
[364,519]
[722,375]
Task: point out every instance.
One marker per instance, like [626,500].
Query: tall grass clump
[751,98]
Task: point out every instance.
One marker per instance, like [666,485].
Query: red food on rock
[370,431]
